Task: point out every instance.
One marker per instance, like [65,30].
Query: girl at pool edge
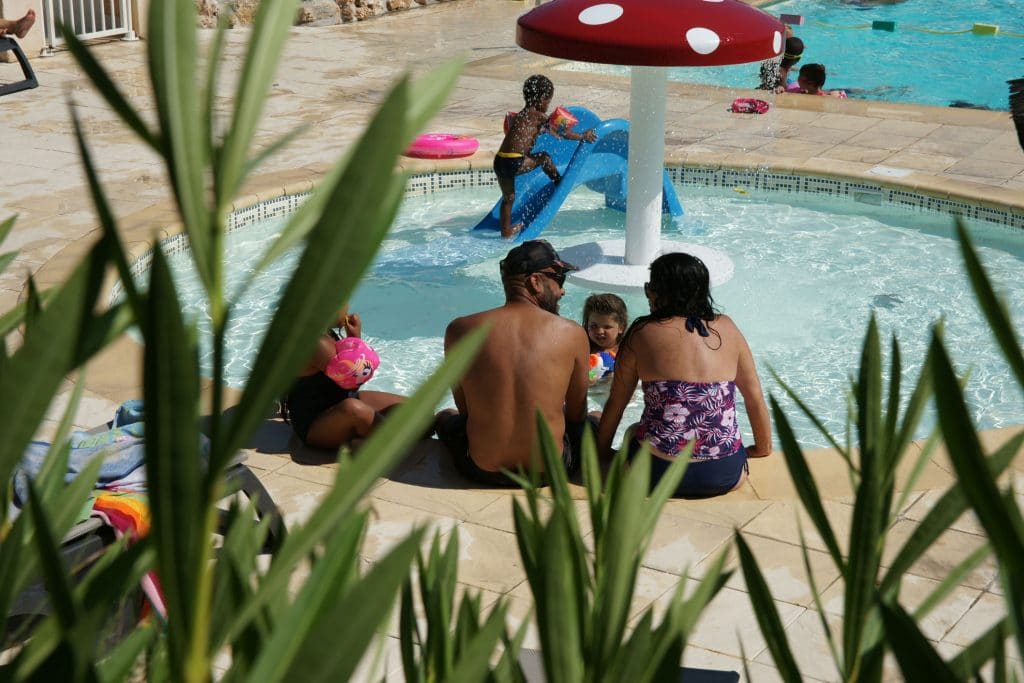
[605,319]
[690,360]
[322,413]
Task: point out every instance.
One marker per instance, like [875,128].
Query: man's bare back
[532,360]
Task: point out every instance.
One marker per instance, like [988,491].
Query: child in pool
[514,157]
[775,75]
[811,81]
[605,318]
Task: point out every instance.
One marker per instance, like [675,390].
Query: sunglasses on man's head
[557,277]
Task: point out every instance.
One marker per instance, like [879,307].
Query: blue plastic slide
[601,166]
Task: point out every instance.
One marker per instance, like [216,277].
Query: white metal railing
[87,19]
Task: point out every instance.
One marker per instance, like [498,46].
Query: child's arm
[587,136]
[353,325]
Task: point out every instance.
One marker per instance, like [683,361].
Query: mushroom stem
[646,164]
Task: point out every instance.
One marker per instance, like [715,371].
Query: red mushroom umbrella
[649,35]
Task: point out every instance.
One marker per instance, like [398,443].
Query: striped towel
[127,513]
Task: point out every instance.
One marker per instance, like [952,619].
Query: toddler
[605,319]
[812,81]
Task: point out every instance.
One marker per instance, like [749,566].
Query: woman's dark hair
[680,287]
[794,50]
[536,88]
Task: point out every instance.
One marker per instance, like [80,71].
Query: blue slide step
[601,166]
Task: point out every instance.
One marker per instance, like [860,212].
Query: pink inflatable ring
[442,146]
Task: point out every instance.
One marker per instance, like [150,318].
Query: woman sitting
[325,406]
[690,360]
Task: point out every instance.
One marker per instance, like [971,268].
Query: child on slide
[515,156]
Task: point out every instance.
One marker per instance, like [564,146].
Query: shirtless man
[19,27]
[515,156]
[533,360]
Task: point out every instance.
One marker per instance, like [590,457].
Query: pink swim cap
[353,364]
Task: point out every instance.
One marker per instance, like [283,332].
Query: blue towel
[122,448]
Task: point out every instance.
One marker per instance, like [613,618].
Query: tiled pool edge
[996,207]
[428,178]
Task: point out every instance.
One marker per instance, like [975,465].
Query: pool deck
[330,79]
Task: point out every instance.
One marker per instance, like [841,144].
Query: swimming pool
[905,65]
[808,274]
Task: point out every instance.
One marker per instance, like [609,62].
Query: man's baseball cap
[533,256]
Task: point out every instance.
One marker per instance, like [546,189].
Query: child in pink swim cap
[326,406]
[353,364]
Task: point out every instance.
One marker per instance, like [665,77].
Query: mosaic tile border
[758,181]
[857,190]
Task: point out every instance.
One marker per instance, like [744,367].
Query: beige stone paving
[329,80]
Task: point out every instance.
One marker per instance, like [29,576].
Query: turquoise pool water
[905,65]
[808,274]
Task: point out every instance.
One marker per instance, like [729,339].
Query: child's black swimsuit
[507,166]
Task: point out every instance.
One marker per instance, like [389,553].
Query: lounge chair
[29,80]
[89,539]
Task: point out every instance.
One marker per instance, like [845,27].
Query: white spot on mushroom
[605,13]
[704,41]
[777,42]
[714,0]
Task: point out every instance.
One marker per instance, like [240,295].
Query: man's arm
[576,393]
[455,331]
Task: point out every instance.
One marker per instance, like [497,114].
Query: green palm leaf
[179,504]
[917,658]
[273,20]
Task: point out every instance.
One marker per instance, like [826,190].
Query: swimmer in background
[775,75]
[811,81]
[514,157]
[605,319]
[322,413]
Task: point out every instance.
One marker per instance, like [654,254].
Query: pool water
[808,275]
[901,66]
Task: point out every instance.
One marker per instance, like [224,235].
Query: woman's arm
[749,385]
[624,381]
